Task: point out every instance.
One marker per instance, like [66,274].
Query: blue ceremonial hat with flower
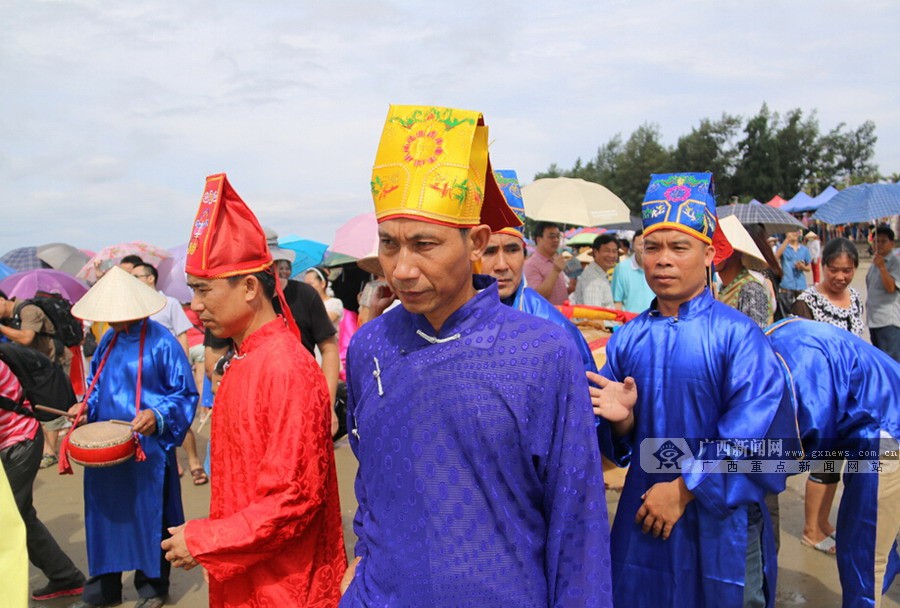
[509,186]
[685,202]
[681,201]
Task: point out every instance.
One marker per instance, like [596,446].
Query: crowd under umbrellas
[612,213]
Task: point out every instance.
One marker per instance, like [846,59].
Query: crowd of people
[475,409]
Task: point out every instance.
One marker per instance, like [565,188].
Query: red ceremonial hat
[226,238]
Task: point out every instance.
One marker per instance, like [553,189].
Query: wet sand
[806,578]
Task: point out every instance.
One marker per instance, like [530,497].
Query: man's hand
[348,575]
[879,261]
[664,504]
[74,411]
[176,550]
[613,401]
[144,423]
[559,262]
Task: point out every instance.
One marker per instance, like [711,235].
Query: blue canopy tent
[826,195]
[801,202]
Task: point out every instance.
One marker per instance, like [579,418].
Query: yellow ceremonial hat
[432,165]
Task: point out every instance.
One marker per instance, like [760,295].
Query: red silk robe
[273,537]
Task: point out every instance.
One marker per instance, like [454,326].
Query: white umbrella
[568,200]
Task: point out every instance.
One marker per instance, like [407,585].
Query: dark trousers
[21,462]
[887,339]
[107,588]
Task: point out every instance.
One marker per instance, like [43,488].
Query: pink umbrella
[357,238]
[25,284]
[172,280]
[114,253]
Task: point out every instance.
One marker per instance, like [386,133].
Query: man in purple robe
[480,481]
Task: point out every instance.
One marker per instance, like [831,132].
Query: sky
[112,114]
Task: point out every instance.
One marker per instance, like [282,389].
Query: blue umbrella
[5,271]
[309,253]
[861,204]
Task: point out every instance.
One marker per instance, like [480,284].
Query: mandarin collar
[482,305]
[133,331]
[261,335]
[689,309]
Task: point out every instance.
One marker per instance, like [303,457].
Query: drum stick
[53,410]
[125,422]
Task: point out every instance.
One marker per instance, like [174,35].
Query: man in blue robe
[846,395]
[479,482]
[504,260]
[145,379]
[690,369]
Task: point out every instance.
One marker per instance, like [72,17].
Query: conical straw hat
[118,296]
[741,241]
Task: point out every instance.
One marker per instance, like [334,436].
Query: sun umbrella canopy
[583,236]
[357,238]
[22,259]
[776,202]
[172,279]
[63,257]
[774,220]
[309,253]
[114,253]
[5,271]
[573,201]
[861,204]
[25,284]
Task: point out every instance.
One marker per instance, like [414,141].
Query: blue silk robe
[708,373]
[480,482]
[847,398]
[124,506]
[528,300]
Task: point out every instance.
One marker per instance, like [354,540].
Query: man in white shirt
[593,288]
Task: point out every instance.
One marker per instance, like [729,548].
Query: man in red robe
[273,537]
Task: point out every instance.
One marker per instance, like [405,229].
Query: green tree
[711,147]
[847,156]
[758,170]
[641,155]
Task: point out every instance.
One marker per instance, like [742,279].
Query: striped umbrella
[861,203]
[774,220]
[22,259]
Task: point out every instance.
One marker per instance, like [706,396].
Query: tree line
[764,155]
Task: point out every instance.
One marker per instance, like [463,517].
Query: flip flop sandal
[826,545]
[200,477]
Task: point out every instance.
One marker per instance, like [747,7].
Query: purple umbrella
[172,280]
[25,284]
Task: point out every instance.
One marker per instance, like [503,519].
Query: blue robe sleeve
[574,495]
[173,395]
[757,406]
